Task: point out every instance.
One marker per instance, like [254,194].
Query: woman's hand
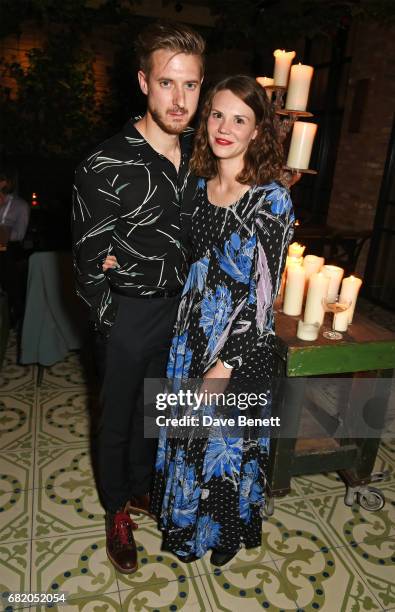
[218,371]
[216,379]
[109,263]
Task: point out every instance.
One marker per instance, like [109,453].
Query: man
[127,201]
[14,220]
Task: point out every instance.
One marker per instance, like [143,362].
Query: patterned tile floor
[317,554]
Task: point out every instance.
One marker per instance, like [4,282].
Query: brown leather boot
[139,504]
[120,545]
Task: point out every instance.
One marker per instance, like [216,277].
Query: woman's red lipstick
[223,141]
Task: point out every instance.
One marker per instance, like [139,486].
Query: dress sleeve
[94,214]
[254,323]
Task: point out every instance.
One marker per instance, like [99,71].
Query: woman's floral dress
[208,492]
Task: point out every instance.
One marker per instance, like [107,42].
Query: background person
[14,219]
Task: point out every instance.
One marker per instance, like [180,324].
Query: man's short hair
[9,176]
[170,36]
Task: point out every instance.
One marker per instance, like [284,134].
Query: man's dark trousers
[137,348]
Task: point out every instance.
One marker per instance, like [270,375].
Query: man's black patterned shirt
[130,201]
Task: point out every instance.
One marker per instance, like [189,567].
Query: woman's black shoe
[187,558]
[220,558]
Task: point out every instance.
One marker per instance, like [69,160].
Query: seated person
[14,219]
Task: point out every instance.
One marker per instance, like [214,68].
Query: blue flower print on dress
[208,533]
[250,489]
[280,199]
[215,310]
[180,357]
[222,458]
[252,292]
[186,500]
[161,453]
[264,444]
[197,275]
[236,260]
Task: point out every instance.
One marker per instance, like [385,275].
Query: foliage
[54,111]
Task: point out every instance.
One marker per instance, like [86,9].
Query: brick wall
[361,156]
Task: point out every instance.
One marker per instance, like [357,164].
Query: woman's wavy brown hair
[263,158]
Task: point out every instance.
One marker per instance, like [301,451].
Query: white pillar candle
[335,275]
[318,288]
[301,145]
[291,259]
[283,61]
[307,331]
[294,290]
[312,264]
[340,321]
[349,293]
[299,86]
[296,250]
[266,82]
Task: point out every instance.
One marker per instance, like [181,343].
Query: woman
[208,492]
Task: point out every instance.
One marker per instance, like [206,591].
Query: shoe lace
[121,528]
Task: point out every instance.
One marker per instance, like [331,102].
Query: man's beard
[168,127]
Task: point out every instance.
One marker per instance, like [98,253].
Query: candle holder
[293,113]
[299,170]
[288,116]
[278,99]
[285,118]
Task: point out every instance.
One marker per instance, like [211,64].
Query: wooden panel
[315,445]
[328,461]
[341,359]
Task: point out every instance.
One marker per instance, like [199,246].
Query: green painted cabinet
[367,352]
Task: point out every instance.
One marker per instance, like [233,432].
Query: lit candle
[349,292]
[318,289]
[307,331]
[294,290]
[291,259]
[335,275]
[266,82]
[312,264]
[296,250]
[301,145]
[283,61]
[299,86]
